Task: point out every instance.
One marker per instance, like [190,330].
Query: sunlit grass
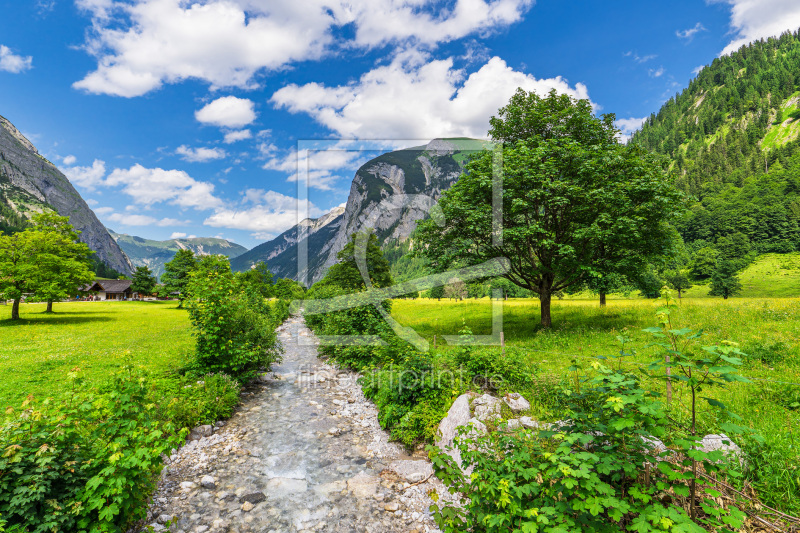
[766,328]
[37,352]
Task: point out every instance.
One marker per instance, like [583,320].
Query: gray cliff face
[30,183]
[389,194]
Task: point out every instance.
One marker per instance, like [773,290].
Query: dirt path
[304,452]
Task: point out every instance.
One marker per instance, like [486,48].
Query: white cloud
[758,19]
[86,177]
[228,112]
[235,136]
[11,62]
[417,99]
[316,166]
[140,46]
[691,32]
[199,155]
[696,70]
[268,213]
[69,160]
[148,186]
[628,125]
[127,219]
[91,201]
[177,235]
[136,219]
[656,72]
[167,222]
[639,59]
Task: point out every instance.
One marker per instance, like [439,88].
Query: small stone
[253,497]
[392,507]
[208,482]
[201,432]
[351,400]
[156,526]
[512,423]
[247,507]
[201,529]
[334,431]
[379,496]
[188,485]
[163,519]
[516,402]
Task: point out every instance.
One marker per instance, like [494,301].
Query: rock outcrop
[29,183]
[389,194]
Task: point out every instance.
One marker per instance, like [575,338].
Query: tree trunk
[544,299]
[724,295]
[679,294]
[602,299]
[49,306]
[15,309]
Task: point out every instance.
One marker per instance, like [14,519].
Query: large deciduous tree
[46,261]
[576,204]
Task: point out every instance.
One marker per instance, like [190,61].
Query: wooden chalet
[111,289]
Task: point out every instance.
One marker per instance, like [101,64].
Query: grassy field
[37,352]
[767,329]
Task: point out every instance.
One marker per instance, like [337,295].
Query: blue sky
[176,118]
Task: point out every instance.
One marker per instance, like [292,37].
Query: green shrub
[188,401]
[234,328]
[589,476]
[85,462]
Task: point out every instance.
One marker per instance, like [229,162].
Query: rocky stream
[304,452]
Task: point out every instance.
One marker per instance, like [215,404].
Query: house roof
[108,285]
[115,285]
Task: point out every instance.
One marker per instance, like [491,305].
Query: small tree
[176,274]
[724,281]
[456,289]
[234,330]
[143,280]
[258,280]
[289,289]
[348,276]
[678,280]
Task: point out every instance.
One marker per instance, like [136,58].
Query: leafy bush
[234,328]
[187,402]
[591,475]
[85,462]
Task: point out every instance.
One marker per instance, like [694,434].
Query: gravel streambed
[304,452]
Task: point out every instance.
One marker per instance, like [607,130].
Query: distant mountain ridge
[154,254]
[29,184]
[389,193]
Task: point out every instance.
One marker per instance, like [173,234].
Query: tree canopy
[45,261]
[176,274]
[144,282]
[576,204]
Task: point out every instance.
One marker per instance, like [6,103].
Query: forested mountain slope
[734,138]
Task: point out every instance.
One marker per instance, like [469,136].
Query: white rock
[513,423]
[188,485]
[410,470]
[722,442]
[457,416]
[516,402]
[487,407]
[208,482]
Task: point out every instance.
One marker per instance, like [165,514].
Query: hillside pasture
[37,352]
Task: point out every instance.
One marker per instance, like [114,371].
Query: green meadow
[37,352]
[767,329]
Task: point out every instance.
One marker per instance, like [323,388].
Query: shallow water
[309,442]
